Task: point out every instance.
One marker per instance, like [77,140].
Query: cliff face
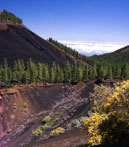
[17,104]
[17,41]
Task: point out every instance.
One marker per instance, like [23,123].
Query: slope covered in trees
[69,50]
[5,15]
[108,66]
[123,50]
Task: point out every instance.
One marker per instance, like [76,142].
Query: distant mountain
[120,56]
[123,50]
[90,48]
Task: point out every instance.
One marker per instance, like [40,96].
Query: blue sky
[74,20]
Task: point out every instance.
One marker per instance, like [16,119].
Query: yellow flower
[38,132]
[25,105]
[117,88]
[108,105]
[110,100]
[57,131]
[46,119]
[124,86]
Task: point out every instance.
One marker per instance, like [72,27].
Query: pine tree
[40,72]
[25,78]
[114,71]
[15,68]
[1,69]
[90,72]
[109,73]
[20,69]
[79,73]
[52,75]
[101,72]
[59,75]
[32,70]
[9,75]
[94,72]
[126,71]
[85,73]
[118,71]
[5,71]
[74,72]
[45,74]
[67,73]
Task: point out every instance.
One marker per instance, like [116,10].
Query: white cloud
[91,48]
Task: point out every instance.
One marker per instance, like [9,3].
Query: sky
[96,23]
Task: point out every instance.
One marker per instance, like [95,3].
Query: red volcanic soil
[58,100]
[67,101]
[17,41]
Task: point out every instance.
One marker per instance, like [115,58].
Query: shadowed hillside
[16,41]
[123,50]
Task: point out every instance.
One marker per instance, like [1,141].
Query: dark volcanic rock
[17,41]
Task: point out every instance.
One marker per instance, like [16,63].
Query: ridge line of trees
[5,15]
[108,66]
[70,51]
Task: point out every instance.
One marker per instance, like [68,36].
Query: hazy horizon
[90,48]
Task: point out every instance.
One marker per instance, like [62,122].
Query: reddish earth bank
[70,102]
[67,101]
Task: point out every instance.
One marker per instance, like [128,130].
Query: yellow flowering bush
[38,132]
[117,89]
[42,128]
[99,97]
[57,131]
[25,105]
[46,119]
[110,120]
[92,124]
[14,106]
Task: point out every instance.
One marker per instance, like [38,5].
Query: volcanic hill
[17,41]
